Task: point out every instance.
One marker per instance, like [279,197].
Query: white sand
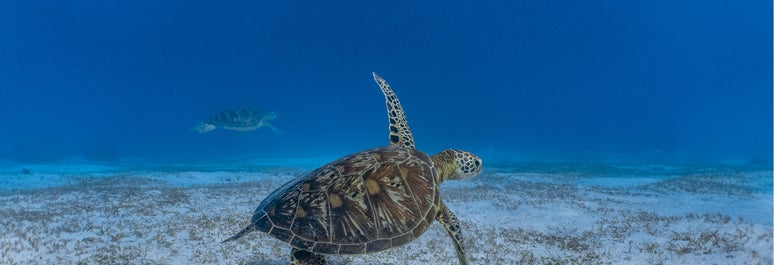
[526,214]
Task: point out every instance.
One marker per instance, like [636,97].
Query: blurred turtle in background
[238,119]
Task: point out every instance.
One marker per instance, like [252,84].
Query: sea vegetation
[507,218]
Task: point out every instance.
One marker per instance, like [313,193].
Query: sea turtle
[367,201]
[238,119]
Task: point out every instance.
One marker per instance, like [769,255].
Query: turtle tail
[241,233]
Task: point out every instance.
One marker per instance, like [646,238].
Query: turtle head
[204,127]
[270,115]
[456,164]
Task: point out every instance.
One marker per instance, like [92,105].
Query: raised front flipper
[400,134]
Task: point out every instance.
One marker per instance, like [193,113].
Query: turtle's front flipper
[450,222]
[272,128]
[400,134]
[303,257]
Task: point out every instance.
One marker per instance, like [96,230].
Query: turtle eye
[478,163]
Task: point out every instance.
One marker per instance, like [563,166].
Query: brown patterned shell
[365,202]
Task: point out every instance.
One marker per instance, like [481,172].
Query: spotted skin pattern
[469,163]
[400,134]
[301,257]
[368,201]
[449,221]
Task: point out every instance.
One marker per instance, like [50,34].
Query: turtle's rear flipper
[303,257]
[241,233]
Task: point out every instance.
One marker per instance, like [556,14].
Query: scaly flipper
[303,257]
[452,225]
[272,128]
[400,134]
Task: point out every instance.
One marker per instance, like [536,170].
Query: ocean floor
[513,213]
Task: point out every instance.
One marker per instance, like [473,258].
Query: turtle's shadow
[283,262]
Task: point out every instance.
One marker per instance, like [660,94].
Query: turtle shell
[236,118]
[365,202]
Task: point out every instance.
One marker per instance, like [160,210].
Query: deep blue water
[126,80]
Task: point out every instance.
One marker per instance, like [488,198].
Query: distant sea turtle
[238,119]
[368,201]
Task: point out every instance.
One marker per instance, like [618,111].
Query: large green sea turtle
[367,201]
[238,119]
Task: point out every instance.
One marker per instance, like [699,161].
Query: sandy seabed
[510,214]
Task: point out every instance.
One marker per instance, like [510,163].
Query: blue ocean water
[612,132]
[113,81]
